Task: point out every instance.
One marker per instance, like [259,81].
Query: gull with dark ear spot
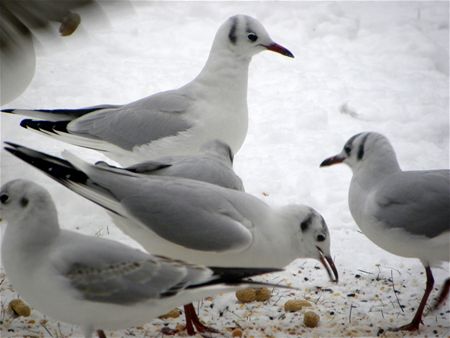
[201,222]
[93,282]
[174,122]
[404,212]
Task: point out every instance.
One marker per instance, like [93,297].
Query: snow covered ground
[359,66]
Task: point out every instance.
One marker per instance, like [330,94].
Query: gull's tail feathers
[53,115]
[74,176]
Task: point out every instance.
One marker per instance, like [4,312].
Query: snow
[359,66]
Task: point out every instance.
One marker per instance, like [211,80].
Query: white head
[23,203]
[313,237]
[368,150]
[245,36]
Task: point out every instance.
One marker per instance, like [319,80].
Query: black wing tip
[26,123]
[8,110]
[231,275]
[49,126]
[12,144]
[13,151]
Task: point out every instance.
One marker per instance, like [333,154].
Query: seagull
[404,212]
[93,282]
[174,122]
[195,220]
[214,164]
[201,222]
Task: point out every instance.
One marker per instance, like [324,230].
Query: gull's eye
[347,149]
[252,37]
[320,238]
[4,198]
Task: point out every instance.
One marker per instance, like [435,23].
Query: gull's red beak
[332,160]
[275,47]
[328,263]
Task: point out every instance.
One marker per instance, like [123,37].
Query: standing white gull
[174,122]
[93,282]
[404,212]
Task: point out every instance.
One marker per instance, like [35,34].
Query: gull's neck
[290,241]
[375,169]
[225,75]
[365,178]
[35,229]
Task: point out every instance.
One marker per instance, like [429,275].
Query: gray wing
[147,167]
[417,201]
[141,122]
[105,271]
[196,167]
[203,168]
[192,214]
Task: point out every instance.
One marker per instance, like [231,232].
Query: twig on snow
[350,313]
[395,292]
[45,327]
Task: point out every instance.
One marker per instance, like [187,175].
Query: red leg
[197,323]
[414,325]
[443,295]
[188,315]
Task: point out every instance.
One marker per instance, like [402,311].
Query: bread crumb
[19,307]
[294,305]
[174,313]
[237,332]
[246,295]
[311,319]
[263,294]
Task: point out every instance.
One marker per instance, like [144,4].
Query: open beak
[275,47]
[332,160]
[328,263]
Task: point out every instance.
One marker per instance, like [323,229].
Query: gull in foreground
[201,222]
[214,164]
[404,212]
[197,221]
[174,122]
[93,282]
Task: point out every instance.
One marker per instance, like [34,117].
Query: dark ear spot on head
[349,145]
[24,202]
[361,148]
[232,33]
[306,223]
[320,238]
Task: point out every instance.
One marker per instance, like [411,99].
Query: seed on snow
[19,307]
[311,319]
[246,295]
[294,305]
